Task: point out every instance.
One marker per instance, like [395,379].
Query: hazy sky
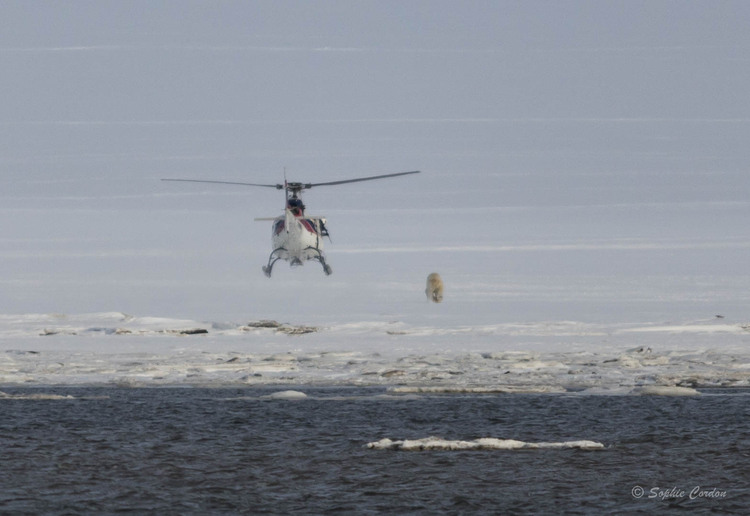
[556,139]
[146,61]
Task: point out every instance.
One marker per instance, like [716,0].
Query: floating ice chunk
[286,395]
[39,396]
[665,390]
[497,389]
[487,443]
[619,390]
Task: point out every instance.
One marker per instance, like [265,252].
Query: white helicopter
[295,237]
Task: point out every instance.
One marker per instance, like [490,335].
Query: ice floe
[487,443]
[457,389]
[286,395]
[34,396]
[665,390]
[404,356]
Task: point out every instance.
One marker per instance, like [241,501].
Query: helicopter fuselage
[296,238]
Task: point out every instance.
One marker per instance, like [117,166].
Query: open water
[237,451]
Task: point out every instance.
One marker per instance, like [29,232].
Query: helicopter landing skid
[271,260]
[326,268]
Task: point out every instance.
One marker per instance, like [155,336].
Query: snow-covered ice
[486,443]
[286,395]
[546,357]
[35,396]
[666,390]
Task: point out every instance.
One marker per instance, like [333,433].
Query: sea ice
[487,443]
[35,396]
[117,349]
[286,395]
[665,390]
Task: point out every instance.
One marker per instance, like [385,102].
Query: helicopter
[295,237]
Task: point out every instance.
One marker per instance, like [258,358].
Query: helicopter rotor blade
[370,178]
[297,186]
[278,187]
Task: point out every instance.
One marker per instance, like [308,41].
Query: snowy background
[583,164]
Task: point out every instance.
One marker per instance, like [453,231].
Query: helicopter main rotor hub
[295,188]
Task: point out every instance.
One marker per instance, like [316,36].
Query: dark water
[226,451]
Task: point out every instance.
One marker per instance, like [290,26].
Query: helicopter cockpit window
[296,206]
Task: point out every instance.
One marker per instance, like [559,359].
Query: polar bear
[434,290]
